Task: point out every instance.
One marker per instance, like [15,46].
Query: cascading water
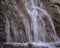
[39,30]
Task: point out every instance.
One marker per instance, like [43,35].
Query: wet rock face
[55,15]
[2,23]
[19,25]
[6,11]
[17,20]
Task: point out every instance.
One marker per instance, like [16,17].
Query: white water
[37,26]
[37,11]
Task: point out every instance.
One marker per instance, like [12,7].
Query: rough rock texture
[52,10]
[2,23]
[57,1]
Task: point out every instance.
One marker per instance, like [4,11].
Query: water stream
[38,24]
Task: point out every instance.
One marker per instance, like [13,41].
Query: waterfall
[37,24]
[38,13]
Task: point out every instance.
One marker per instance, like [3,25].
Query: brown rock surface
[54,15]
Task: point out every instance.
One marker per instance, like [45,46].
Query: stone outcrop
[52,10]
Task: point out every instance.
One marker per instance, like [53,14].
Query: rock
[53,1]
[54,15]
[2,23]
